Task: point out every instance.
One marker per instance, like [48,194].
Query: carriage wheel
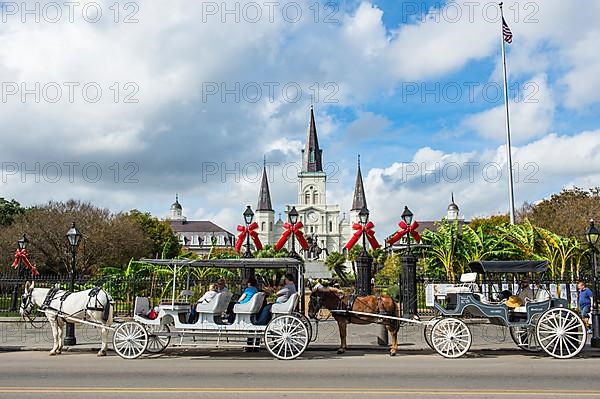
[156,343]
[451,337]
[427,330]
[561,333]
[130,340]
[525,338]
[286,337]
[306,323]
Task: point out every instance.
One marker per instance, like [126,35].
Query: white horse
[96,308]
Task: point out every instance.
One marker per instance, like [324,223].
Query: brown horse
[332,299]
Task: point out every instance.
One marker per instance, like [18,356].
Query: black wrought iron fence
[122,289]
[125,289]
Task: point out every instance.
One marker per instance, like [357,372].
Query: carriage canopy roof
[509,266]
[251,263]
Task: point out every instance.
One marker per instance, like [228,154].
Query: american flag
[507,32]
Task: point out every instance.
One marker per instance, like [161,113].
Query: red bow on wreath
[288,230]
[21,256]
[253,234]
[360,230]
[404,228]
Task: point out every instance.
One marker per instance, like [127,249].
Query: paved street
[319,374]
[494,368]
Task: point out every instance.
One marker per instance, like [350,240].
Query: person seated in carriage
[526,293]
[249,291]
[206,298]
[283,295]
[210,294]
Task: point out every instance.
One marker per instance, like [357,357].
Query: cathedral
[324,223]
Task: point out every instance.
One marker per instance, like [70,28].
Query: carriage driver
[526,293]
[283,295]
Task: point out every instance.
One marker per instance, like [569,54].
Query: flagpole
[511,194]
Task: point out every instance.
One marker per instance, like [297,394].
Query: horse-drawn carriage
[542,323]
[286,336]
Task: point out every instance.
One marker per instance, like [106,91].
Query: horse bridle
[27,303]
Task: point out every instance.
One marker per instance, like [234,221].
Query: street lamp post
[22,244]
[74,237]
[591,236]
[248,217]
[364,261]
[293,219]
[409,273]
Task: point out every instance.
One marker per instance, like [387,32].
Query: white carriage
[286,336]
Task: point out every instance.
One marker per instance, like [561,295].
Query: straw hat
[514,301]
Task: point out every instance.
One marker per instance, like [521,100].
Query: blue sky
[169,129]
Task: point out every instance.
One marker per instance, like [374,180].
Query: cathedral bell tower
[311,180]
[265,215]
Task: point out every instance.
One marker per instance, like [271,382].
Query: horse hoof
[52,354]
[392,353]
[100,354]
[340,351]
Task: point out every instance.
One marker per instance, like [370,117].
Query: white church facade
[322,221]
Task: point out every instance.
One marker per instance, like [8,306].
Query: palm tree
[443,247]
[353,254]
[335,263]
[476,244]
[523,238]
[560,249]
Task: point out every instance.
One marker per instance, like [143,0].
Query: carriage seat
[467,284]
[244,311]
[541,295]
[286,307]
[217,306]
[141,306]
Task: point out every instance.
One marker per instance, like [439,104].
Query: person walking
[585,303]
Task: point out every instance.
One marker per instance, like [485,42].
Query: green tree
[443,245]
[477,244]
[335,263]
[164,242]
[567,213]
[108,239]
[560,250]
[9,210]
[353,254]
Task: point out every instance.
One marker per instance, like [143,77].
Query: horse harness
[56,293]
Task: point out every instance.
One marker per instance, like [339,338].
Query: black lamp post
[248,217]
[74,237]
[22,244]
[293,219]
[407,217]
[409,273]
[364,261]
[591,235]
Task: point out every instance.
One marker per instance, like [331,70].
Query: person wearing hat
[526,293]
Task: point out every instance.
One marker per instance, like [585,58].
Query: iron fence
[122,289]
[125,289]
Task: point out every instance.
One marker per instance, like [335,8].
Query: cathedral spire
[359,200]
[264,196]
[312,154]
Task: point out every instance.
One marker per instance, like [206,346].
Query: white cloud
[531,114]
[425,184]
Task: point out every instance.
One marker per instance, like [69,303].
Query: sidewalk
[16,335]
